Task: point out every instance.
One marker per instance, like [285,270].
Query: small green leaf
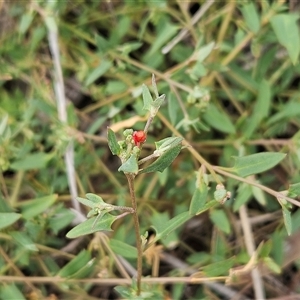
[168,142]
[98,72]
[159,221]
[26,20]
[62,219]
[265,249]
[243,196]
[123,249]
[259,195]
[8,218]
[219,268]
[261,108]
[256,163]
[199,198]
[86,202]
[130,165]
[288,110]
[113,87]
[173,109]
[287,32]
[86,270]
[9,291]
[294,190]
[271,264]
[251,16]
[171,225]
[220,219]
[162,37]
[32,161]
[158,101]
[164,161]
[218,120]
[32,208]
[112,142]
[287,219]
[207,206]
[147,98]
[24,240]
[86,227]
[204,51]
[77,263]
[95,198]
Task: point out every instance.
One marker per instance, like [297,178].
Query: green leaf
[173,109]
[204,51]
[218,120]
[11,292]
[77,263]
[8,218]
[207,206]
[251,16]
[271,264]
[112,142]
[32,161]
[130,165]
[23,239]
[168,142]
[199,198]
[126,48]
[218,268]
[158,101]
[296,221]
[86,202]
[287,111]
[259,195]
[164,161]
[261,109]
[96,124]
[243,196]
[220,219]
[86,270]
[86,227]
[294,190]
[287,219]
[26,20]
[32,208]
[265,249]
[147,98]
[287,32]
[171,225]
[256,163]
[98,72]
[123,249]
[159,221]
[115,87]
[61,220]
[162,37]
[95,198]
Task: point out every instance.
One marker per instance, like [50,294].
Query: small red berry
[139,137]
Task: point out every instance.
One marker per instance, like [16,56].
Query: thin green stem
[130,179]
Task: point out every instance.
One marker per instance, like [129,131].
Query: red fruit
[139,137]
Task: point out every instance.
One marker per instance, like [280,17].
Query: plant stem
[130,179]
